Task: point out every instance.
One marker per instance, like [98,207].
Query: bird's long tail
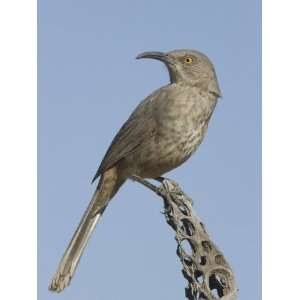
[108,186]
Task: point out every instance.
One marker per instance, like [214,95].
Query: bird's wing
[137,129]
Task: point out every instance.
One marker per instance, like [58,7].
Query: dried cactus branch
[208,274]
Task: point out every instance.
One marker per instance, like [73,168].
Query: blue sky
[88,83]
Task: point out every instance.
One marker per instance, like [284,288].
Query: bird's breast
[184,117]
[181,123]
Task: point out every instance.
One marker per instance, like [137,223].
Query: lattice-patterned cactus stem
[208,273]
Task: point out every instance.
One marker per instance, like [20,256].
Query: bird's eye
[188,60]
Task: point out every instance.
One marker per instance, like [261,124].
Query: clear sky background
[89,82]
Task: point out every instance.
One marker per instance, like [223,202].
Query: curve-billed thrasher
[162,133]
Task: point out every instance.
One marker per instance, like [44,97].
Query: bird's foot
[165,179]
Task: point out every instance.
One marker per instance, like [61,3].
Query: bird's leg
[158,190]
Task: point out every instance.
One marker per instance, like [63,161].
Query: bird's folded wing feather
[137,129]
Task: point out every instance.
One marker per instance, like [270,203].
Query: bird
[161,134]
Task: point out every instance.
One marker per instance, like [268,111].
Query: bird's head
[189,67]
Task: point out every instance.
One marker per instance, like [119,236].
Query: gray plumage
[162,133]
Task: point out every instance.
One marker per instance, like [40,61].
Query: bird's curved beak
[164,57]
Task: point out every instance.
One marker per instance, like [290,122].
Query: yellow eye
[188,60]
